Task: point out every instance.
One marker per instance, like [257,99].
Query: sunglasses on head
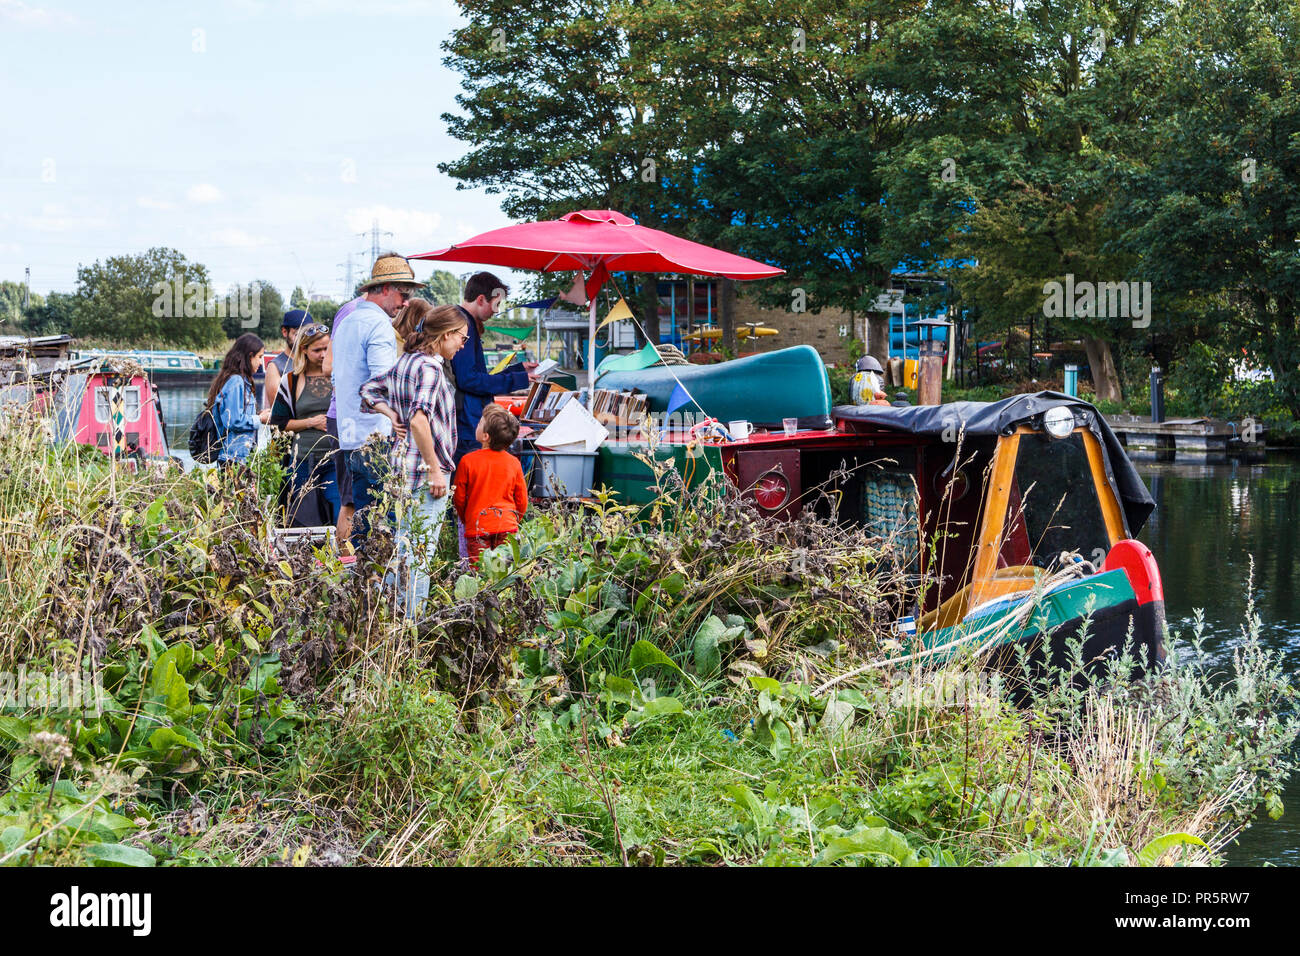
[314,330]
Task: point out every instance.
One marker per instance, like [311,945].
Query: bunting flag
[620,311]
[599,276]
[629,363]
[513,333]
[679,399]
[577,294]
[501,366]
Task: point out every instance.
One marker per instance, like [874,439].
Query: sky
[259,138]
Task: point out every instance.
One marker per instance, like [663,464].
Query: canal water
[1209,522]
[180,405]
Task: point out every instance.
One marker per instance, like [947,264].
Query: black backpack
[205,439]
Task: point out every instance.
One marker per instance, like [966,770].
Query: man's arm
[381,349]
[470,378]
[476,380]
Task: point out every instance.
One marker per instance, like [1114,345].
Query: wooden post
[929,380]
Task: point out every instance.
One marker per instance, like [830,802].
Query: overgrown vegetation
[614,686]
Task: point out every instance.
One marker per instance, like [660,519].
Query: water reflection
[1210,521]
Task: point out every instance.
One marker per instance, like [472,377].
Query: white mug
[739,430]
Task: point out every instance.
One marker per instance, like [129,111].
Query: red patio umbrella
[597,241]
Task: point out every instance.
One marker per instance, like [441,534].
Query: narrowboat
[1016,519]
[115,410]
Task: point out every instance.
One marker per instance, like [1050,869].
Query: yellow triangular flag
[620,311]
[500,366]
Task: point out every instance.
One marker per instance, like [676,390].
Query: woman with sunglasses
[300,405]
[419,399]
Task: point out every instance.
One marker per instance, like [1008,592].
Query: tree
[322,311]
[1213,208]
[555,111]
[1035,137]
[298,298]
[271,309]
[13,296]
[156,297]
[53,316]
[443,288]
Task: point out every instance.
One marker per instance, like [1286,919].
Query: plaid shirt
[418,383]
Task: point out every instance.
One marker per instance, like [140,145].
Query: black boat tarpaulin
[986,419]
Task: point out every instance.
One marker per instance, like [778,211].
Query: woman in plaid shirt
[418,397]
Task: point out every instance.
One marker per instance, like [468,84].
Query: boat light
[1058,421]
[771,491]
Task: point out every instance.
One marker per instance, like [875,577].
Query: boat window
[889,510]
[1053,505]
[130,400]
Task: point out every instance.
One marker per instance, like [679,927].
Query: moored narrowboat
[1016,519]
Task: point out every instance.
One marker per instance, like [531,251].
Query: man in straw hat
[364,345]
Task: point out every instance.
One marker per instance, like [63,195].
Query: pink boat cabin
[85,415]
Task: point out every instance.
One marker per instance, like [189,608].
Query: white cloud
[18,12]
[55,217]
[238,238]
[204,193]
[406,225]
[148,202]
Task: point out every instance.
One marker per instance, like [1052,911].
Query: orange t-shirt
[490,492]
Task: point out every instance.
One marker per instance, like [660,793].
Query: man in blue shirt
[364,345]
[475,386]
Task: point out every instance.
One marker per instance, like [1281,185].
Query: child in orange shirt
[490,493]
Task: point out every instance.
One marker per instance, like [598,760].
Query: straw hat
[391,270]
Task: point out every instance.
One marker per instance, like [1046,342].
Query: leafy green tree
[271,309]
[298,298]
[156,297]
[12,297]
[322,311]
[53,316]
[443,288]
[555,110]
[1213,207]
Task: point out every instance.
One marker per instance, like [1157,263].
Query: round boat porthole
[771,491]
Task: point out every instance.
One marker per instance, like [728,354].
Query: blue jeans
[368,471]
[417,539]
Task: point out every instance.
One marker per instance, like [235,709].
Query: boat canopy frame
[1002,418]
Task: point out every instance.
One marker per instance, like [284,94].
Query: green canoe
[763,388]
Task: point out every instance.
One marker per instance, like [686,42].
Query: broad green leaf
[168,684]
[10,837]
[166,740]
[621,689]
[467,586]
[23,764]
[117,854]
[1150,854]
[155,514]
[1023,858]
[15,729]
[644,654]
[874,841]
[598,622]
[708,659]
[838,718]
[663,705]
[771,685]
